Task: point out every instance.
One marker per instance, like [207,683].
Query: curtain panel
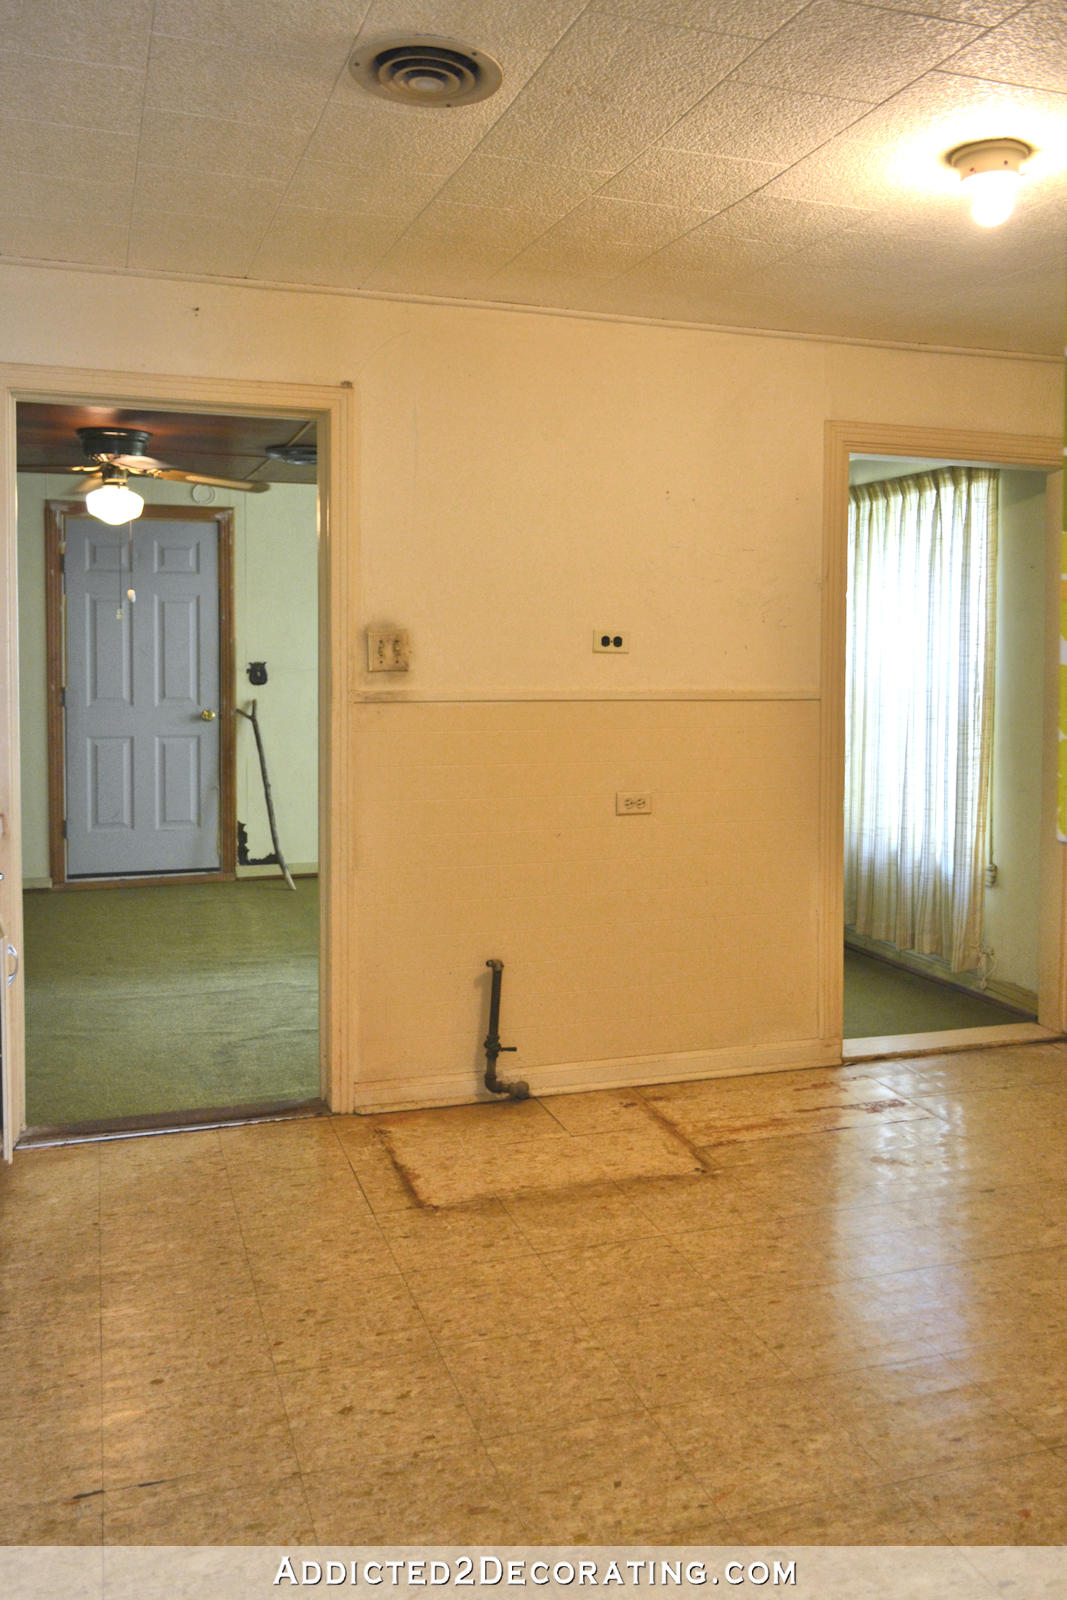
[919,709]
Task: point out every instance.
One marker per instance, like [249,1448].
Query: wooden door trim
[56,513]
[336,410]
[842,440]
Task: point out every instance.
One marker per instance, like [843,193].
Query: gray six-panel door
[142,697]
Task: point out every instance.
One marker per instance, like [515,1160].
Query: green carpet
[170,998]
[881,999]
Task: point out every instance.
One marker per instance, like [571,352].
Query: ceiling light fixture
[113,500]
[990,175]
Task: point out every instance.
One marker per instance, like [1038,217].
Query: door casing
[334,410]
[56,512]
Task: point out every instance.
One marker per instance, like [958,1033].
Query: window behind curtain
[919,701]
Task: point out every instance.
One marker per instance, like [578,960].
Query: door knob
[207,716]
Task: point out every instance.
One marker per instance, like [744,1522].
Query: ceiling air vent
[421,71]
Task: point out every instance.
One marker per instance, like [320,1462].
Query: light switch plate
[388,650]
[633,804]
[611,642]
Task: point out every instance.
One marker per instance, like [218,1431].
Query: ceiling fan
[112,455]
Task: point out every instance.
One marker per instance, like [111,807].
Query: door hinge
[64,827]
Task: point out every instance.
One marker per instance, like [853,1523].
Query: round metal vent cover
[297,455]
[422,71]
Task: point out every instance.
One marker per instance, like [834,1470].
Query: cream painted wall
[276,601]
[525,479]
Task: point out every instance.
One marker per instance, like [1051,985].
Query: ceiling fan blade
[140,464]
[57,471]
[175,475]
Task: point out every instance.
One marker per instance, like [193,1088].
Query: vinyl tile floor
[838,1316]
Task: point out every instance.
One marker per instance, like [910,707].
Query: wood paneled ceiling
[220,446]
[752,163]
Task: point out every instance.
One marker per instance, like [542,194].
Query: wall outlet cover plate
[388,650]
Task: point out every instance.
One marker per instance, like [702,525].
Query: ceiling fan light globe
[114,503]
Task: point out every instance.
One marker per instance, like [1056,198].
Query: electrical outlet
[388,651]
[610,642]
[633,805]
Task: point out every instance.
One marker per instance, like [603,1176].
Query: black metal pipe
[493,1047]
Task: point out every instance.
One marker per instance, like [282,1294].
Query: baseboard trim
[575,1077]
[297,869]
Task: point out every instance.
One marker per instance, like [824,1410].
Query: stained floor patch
[519,1149]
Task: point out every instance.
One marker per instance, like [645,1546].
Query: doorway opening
[171,975]
[944,748]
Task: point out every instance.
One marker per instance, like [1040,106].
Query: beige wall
[276,619]
[525,479]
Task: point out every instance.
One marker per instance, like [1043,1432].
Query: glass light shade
[992,196]
[114,503]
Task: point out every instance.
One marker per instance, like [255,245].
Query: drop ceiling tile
[53,89]
[78,155]
[630,221]
[788,224]
[506,28]
[93,242]
[1030,48]
[943,107]
[54,199]
[706,255]
[356,127]
[689,178]
[304,246]
[210,197]
[850,171]
[316,31]
[866,257]
[751,122]
[161,242]
[564,136]
[611,85]
[854,51]
[197,79]
[603,237]
[79,30]
[986,13]
[733,245]
[320,186]
[756,18]
[893,158]
[1017,312]
[477,237]
[190,142]
[526,185]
